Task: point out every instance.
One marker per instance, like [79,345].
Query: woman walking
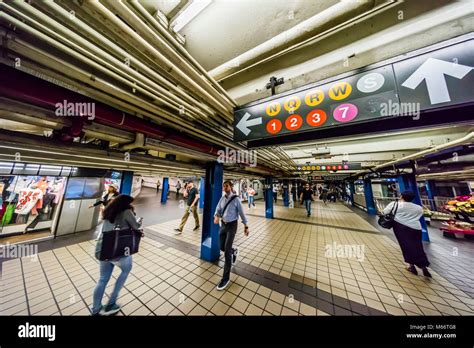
[118,213]
[407,228]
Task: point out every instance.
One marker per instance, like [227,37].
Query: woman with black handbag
[118,213]
[407,229]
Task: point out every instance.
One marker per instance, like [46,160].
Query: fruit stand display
[462,210]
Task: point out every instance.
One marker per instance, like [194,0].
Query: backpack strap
[227,204]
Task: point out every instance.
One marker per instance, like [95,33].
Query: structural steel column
[369,197]
[268,197]
[352,191]
[407,182]
[126,183]
[286,193]
[201,192]
[431,191]
[210,249]
[164,192]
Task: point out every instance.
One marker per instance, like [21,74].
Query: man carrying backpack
[228,210]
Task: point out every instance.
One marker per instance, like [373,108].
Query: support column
[295,190]
[352,191]
[286,193]
[431,191]
[126,183]
[201,192]
[369,197]
[164,191]
[268,197]
[210,249]
[408,182]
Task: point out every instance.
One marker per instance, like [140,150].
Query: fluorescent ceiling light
[189,13]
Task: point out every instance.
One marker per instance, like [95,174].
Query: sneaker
[426,273]
[99,313]
[177,231]
[234,256]
[412,269]
[223,284]
[111,309]
[196,228]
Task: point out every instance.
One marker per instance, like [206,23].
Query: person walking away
[251,198]
[112,192]
[228,211]
[407,229]
[307,196]
[178,188]
[275,193]
[325,194]
[158,184]
[118,213]
[192,197]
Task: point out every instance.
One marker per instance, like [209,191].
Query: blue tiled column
[164,192]
[268,197]
[431,191]
[408,182]
[202,192]
[126,183]
[210,249]
[294,193]
[286,193]
[369,197]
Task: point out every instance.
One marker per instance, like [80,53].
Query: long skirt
[411,245]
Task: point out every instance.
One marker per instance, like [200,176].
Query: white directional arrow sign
[245,123]
[433,71]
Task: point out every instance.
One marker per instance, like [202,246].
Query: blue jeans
[307,205]
[251,201]
[106,269]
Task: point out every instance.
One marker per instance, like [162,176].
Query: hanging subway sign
[329,167]
[438,78]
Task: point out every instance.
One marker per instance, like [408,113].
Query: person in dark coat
[407,229]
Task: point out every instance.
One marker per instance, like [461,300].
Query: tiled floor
[283,269]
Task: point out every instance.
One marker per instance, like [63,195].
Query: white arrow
[245,123]
[433,71]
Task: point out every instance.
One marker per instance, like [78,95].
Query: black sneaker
[234,255]
[196,228]
[412,269]
[426,273]
[177,231]
[223,284]
[111,309]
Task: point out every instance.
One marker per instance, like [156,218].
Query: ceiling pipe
[165,63]
[118,65]
[167,35]
[467,139]
[101,65]
[138,143]
[324,20]
[47,59]
[153,38]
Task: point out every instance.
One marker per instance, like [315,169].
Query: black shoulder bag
[386,221]
[117,243]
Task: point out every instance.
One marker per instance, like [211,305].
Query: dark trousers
[226,236]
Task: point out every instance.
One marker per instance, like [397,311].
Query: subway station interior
[356,101]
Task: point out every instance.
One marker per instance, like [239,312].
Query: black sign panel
[438,78]
[322,167]
[353,99]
